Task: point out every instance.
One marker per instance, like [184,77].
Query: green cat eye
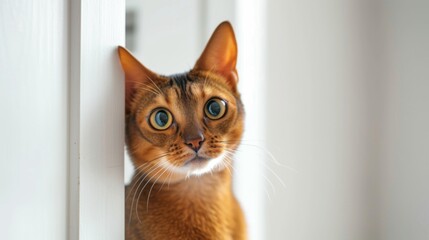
[215,108]
[160,119]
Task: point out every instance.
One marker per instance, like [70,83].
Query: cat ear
[220,54]
[135,74]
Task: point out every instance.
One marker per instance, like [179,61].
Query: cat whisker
[188,175]
[150,190]
[160,91]
[271,170]
[229,156]
[141,172]
[227,167]
[271,155]
[153,168]
[140,181]
[269,182]
[263,175]
[149,90]
[141,191]
[139,175]
[154,89]
[230,153]
[169,178]
[170,172]
[145,87]
[266,151]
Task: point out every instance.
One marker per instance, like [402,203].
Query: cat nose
[195,141]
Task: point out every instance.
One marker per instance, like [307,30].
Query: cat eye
[160,119]
[215,108]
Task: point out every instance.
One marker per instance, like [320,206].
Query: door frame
[96,122]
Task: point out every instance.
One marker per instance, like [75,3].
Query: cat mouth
[199,165]
[197,161]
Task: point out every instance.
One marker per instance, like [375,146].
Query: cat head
[185,124]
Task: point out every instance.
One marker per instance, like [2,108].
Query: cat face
[186,124]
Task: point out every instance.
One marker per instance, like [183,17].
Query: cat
[181,134]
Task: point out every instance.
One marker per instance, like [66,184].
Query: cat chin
[196,168]
[211,165]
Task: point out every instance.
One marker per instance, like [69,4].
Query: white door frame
[96,189]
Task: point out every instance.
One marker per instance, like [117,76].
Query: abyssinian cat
[181,133]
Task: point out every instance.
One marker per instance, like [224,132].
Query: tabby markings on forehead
[181,81]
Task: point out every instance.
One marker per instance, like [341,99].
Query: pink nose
[195,142]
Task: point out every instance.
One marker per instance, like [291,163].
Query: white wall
[168,34]
[317,119]
[404,154]
[34,126]
[348,109]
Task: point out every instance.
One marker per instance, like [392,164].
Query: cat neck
[193,187]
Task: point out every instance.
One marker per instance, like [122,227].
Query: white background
[347,107]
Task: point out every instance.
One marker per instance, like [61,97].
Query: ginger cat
[181,133]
